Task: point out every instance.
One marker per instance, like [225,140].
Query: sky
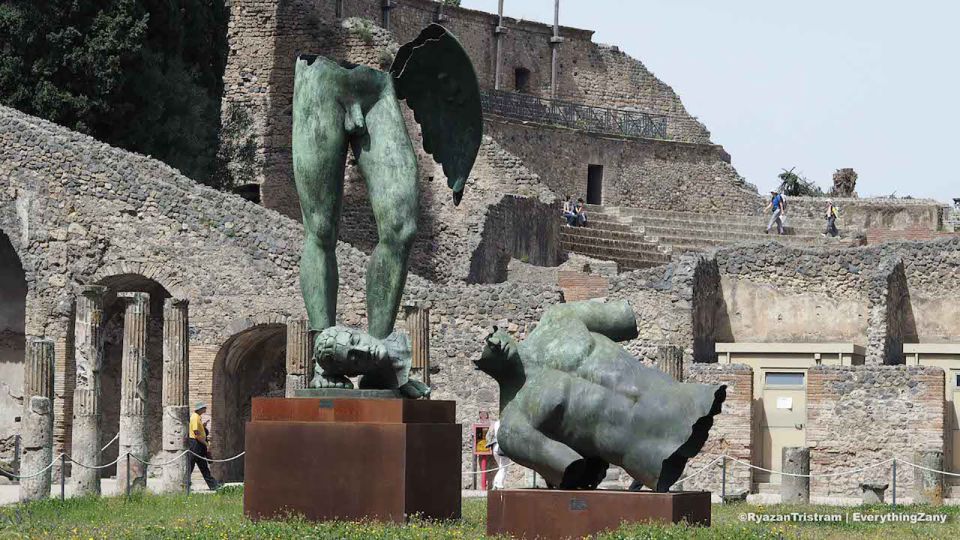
[817,85]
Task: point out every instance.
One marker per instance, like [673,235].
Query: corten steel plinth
[551,513]
[352,459]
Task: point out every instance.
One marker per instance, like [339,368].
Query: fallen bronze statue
[573,401]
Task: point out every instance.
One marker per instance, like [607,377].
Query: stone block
[795,489]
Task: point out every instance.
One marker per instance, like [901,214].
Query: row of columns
[37,420]
[37,430]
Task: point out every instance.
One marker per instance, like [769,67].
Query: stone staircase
[639,238]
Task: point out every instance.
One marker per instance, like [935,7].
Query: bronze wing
[434,75]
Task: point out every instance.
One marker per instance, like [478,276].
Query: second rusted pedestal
[554,514]
[352,459]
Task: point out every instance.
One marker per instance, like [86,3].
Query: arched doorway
[13,302]
[110,374]
[250,364]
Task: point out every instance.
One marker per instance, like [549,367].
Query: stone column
[927,484]
[88,354]
[418,324]
[299,354]
[670,361]
[175,477]
[36,426]
[795,489]
[133,391]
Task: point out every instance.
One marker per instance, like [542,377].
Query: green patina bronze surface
[337,107]
[573,401]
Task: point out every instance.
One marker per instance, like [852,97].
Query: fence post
[723,481]
[63,476]
[128,475]
[894,482]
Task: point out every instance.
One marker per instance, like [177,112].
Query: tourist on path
[776,205]
[568,213]
[832,215]
[580,214]
[502,460]
[198,446]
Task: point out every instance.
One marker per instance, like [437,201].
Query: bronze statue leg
[389,165]
[319,156]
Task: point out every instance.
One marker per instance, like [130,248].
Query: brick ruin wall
[639,173]
[903,407]
[732,432]
[265,38]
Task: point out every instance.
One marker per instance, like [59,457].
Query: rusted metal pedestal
[549,513]
[352,459]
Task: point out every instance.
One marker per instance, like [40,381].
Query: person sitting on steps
[568,214]
[580,214]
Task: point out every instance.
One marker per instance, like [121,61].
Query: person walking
[198,446]
[832,215]
[502,460]
[776,206]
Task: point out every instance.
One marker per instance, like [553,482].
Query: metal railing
[573,115]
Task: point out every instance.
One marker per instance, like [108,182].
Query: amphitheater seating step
[641,238]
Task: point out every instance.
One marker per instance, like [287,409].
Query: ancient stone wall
[732,430]
[266,37]
[903,407]
[78,211]
[880,219]
[774,293]
[932,273]
[516,228]
[637,173]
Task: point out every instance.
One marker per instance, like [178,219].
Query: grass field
[220,516]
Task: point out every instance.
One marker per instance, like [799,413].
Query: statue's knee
[323,240]
[399,234]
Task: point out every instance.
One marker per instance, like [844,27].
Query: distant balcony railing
[573,115]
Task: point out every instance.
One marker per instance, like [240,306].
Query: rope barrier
[111,464]
[162,463]
[38,473]
[487,470]
[825,475]
[703,470]
[905,462]
[115,437]
[687,477]
[211,460]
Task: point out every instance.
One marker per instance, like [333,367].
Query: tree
[144,75]
[795,185]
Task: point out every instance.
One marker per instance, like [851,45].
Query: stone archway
[13,301]
[110,375]
[251,363]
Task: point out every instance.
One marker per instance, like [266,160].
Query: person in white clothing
[502,460]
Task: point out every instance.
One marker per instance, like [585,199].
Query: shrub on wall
[143,75]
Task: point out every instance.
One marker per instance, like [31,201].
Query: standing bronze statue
[337,106]
[573,401]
